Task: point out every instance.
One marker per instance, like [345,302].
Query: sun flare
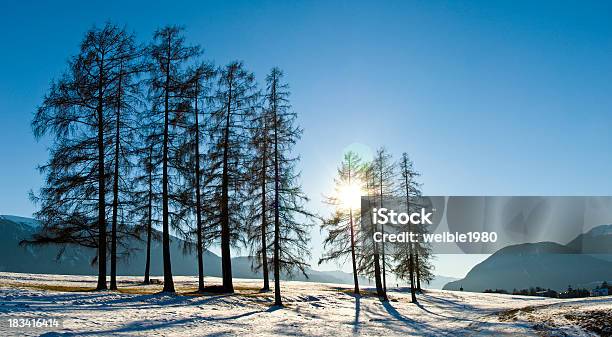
[350,196]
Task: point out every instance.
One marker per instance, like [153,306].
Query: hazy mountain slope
[597,242]
[76,260]
[37,259]
[544,264]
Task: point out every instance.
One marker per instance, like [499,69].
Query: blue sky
[488,97]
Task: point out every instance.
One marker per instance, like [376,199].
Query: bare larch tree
[78,113]
[341,227]
[170,55]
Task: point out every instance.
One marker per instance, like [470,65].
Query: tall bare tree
[291,220]
[127,101]
[341,227]
[77,112]
[170,56]
[260,189]
[411,192]
[368,261]
[236,99]
[383,170]
[198,94]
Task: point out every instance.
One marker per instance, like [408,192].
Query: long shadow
[62,302]
[163,300]
[356,326]
[138,326]
[421,328]
[458,305]
[274,308]
[9,298]
[147,325]
[440,315]
[393,312]
[246,314]
[51,302]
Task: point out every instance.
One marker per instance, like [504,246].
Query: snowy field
[311,309]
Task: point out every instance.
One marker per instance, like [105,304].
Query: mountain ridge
[583,262]
[77,260]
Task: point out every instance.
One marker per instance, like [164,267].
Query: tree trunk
[382,229]
[384,262]
[411,269]
[113,271]
[198,197]
[418,272]
[264,244]
[355,276]
[168,281]
[150,218]
[113,276]
[226,260]
[410,263]
[277,292]
[101,188]
[379,288]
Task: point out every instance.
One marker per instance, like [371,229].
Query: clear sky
[488,97]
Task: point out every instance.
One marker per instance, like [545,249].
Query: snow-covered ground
[311,309]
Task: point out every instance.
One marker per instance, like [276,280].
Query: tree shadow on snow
[356,322]
[422,328]
[153,324]
[449,304]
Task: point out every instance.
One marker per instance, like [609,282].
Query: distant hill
[76,260]
[597,242]
[544,264]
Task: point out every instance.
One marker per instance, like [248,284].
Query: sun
[350,196]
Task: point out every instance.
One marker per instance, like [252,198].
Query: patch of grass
[249,288]
[52,287]
[139,290]
[142,289]
[509,315]
[362,293]
[597,321]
